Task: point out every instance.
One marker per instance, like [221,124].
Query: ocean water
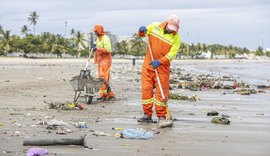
[253,72]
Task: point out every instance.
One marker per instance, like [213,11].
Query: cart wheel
[89,99]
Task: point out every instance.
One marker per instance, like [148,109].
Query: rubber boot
[145,118]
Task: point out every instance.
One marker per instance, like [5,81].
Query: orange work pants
[104,72]
[149,83]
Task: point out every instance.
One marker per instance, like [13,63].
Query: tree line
[48,43]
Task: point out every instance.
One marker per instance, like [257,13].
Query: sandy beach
[26,83]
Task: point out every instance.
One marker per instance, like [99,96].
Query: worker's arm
[107,47]
[146,30]
[173,51]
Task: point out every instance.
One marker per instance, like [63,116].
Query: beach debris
[260,114]
[62,131]
[212,113]
[5,152]
[136,134]
[1,124]
[173,96]
[15,113]
[59,126]
[81,106]
[117,128]
[36,152]
[66,106]
[261,91]
[58,105]
[263,87]
[203,82]
[98,133]
[57,141]
[47,117]
[80,125]
[225,116]
[42,122]
[55,122]
[17,133]
[246,91]
[220,120]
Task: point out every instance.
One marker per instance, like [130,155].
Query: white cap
[173,23]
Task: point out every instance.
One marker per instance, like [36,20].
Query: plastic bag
[137,134]
[36,152]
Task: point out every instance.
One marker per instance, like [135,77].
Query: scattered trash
[81,106]
[261,91]
[37,152]
[5,152]
[57,123]
[16,133]
[181,97]
[61,132]
[16,113]
[42,123]
[212,113]
[47,117]
[260,114]
[136,134]
[225,116]
[80,125]
[1,124]
[177,97]
[220,120]
[71,105]
[66,106]
[97,133]
[263,87]
[125,145]
[58,141]
[117,129]
[246,91]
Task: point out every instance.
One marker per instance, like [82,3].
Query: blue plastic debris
[137,134]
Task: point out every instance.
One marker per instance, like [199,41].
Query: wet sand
[26,83]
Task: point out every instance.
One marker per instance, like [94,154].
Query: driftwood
[50,142]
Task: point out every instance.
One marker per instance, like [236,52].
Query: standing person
[165,42]
[103,58]
[133,63]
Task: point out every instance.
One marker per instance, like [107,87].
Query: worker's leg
[159,103]
[103,88]
[107,70]
[147,91]
[106,76]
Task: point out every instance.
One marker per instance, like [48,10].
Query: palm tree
[1,29]
[72,32]
[33,20]
[138,46]
[79,41]
[24,30]
[6,39]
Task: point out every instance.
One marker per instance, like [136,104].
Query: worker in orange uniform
[165,42]
[103,58]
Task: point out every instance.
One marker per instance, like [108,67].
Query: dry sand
[26,83]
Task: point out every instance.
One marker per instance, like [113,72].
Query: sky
[237,22]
